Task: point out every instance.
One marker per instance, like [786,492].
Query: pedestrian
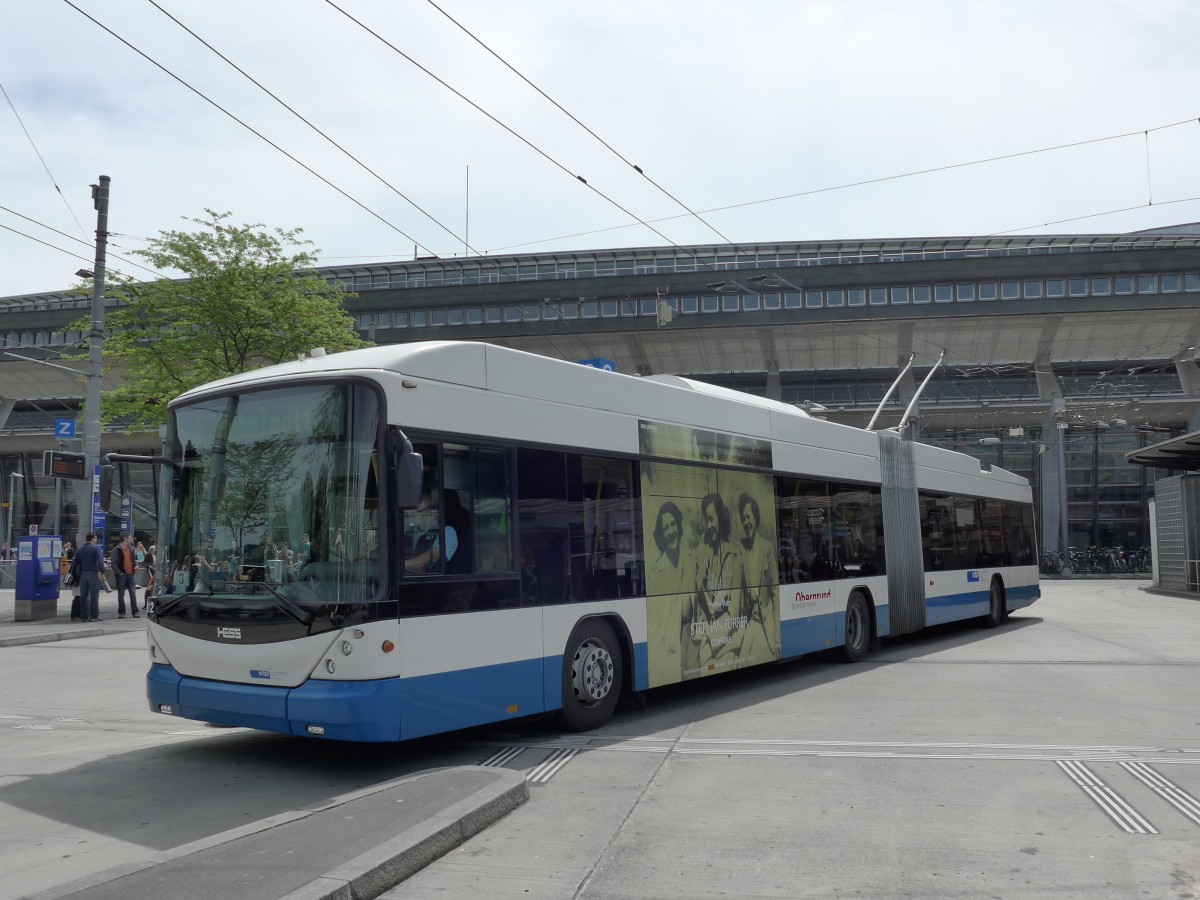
[91,570]
[125,566]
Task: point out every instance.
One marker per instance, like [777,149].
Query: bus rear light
[388,647]
[315,729]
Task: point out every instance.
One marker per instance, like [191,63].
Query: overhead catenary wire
[572,117]
[915,173]
[538,150]
[246,126]
[70,238]
[42,160]
[303,119]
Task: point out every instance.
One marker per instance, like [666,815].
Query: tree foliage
[251,298]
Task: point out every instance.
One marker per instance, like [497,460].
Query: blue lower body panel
[388,709]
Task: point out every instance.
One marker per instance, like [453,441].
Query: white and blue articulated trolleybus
[399,541]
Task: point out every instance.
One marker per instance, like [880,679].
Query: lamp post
[12,510]
[91,419]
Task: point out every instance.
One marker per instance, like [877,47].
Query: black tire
[591,675]
[996,605]
[858,628]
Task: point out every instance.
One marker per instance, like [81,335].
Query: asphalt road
[1057,756]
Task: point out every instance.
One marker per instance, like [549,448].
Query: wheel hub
[591,673]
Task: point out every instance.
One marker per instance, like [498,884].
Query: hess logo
[229,634]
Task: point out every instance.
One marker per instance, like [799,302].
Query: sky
[762,121]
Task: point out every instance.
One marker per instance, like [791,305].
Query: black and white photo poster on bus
[712,577]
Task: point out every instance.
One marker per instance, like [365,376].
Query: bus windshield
[274,493]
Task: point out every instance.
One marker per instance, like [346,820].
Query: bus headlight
[330,667]
[347,648]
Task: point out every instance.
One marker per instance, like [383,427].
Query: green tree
[251,298]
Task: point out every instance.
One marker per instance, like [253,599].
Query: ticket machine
[38,577]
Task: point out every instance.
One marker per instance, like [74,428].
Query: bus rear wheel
[591,676]
[858,628]
[996,606]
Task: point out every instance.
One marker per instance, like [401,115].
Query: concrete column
[774,391]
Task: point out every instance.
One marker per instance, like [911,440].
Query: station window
[1077,287]
[1147,284]
[570,309]
[401,319]
[608,309]
[772,300]
[812,299]
[590,309]
[629,307]
[1033,289]
[1123,284]
[965,293]
[550,312]
[437,317]
[647,307]
[474,315]
[1010,290]
[878,296]
[419,318]
[943,293]
[1101,286]
[1191,282]
[988,290]
[856,297]
[835,297]
[710,303]
[1055,288]
[689,306]
[1170,284]
[730,303]
[900,296]
[792,299]
[492,314]
[751,302]
[531,312]
[385,320]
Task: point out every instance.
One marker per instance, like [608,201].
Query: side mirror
[408,468]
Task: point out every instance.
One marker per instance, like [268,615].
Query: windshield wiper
[303,616]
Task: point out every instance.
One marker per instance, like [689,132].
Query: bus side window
[492,513]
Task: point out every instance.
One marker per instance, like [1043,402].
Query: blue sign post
[64,429]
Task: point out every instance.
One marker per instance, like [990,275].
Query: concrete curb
[370,874]
[45,637]
[378,871]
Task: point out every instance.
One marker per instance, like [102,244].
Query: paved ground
[357,845]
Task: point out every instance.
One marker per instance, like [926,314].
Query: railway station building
[1059,354]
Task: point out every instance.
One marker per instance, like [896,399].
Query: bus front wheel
[591,677]
[858,628]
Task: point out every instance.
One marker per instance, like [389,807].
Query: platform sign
[64,429]
[127,513]
[606,364]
